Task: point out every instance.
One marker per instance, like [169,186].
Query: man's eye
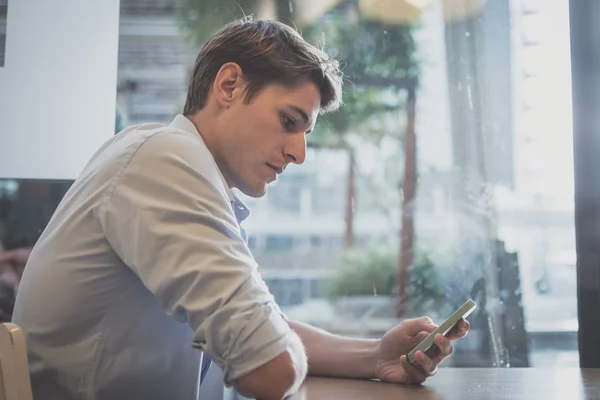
[288,123]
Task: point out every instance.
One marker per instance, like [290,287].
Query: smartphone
[444,328]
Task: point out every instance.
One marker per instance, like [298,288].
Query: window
[493,206]
[277,243]
[486,191]
[3,15]
[285,197]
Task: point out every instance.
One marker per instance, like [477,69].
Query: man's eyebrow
[300,111]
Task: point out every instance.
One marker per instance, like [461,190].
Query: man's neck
[204,121]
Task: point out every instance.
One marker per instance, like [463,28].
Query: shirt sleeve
[170,222]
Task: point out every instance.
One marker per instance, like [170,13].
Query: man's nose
[295,149]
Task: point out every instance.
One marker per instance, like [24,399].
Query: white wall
[58,85]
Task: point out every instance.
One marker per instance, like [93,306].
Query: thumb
[415,326]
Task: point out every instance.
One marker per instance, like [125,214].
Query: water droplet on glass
[495,346]
[469,94]
[467,34]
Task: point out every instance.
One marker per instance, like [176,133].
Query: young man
[144,260]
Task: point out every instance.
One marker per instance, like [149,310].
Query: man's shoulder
[166,141]
[146,146]
[153,140]
[167,150]
[150,153]
[172,136]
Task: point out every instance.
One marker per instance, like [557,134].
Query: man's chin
[255,191]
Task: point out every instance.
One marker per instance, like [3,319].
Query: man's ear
[229,86]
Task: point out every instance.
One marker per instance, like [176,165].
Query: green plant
[363,273]
[372,272]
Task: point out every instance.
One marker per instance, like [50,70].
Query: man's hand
[392,363]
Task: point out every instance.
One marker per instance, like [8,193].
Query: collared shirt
[142,262]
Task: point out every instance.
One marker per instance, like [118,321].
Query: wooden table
[466,384]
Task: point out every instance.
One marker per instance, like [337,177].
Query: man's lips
[278,170]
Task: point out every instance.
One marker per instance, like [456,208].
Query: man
[12,263]
[145,256]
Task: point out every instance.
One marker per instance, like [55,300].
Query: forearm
[336,356]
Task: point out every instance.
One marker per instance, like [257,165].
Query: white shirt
[143,257]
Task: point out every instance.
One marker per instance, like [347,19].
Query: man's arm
[384,359]
[278,378]
[336,356]
[176,231]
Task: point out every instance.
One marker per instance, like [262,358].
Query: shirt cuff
[261,338]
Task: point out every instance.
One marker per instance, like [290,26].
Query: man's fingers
[441,349]
[415,374]
[444,346]
[460,330]
[425,363]
[434,352]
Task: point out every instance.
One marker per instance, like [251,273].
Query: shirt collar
[239,208]
[181,122]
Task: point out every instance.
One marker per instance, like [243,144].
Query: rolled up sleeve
[169,221]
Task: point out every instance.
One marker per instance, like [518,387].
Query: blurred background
[447,174]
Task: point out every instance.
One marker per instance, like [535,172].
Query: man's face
[256,141]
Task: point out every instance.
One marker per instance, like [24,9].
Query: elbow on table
[274,380]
